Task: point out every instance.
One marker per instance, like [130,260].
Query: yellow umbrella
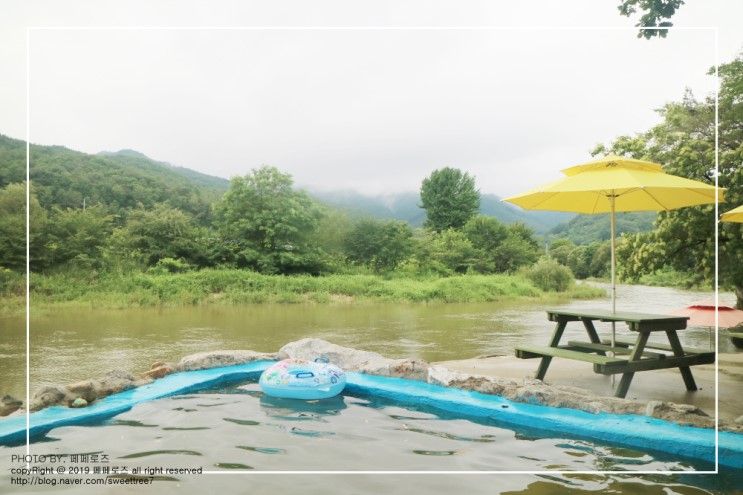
[735,215]
[612,184]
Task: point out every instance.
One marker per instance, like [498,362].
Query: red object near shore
[702,314]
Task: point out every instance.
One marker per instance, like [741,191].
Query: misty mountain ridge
[394,206]
[405,206]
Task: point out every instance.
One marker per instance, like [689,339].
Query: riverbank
[231,286]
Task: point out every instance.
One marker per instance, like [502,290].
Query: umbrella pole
[612,201]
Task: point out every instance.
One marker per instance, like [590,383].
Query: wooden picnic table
[626,357]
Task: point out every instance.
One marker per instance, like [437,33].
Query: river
[73,344]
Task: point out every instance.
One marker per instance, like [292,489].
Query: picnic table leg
[556,336]
[636,355]
[592,333]
[678,351]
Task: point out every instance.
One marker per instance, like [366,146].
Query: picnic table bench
[626,357]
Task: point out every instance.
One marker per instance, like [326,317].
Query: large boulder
[351,359]
[215,359]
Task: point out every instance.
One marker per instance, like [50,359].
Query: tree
[549,275]
[331,234]
[268,225]
[560,250]
[159,233]
[450,199]
[656,13]
[78,236]
[13,228]
[378,244]
[513,253]
[601,261]
[486,234]
[684,142]
[444,253]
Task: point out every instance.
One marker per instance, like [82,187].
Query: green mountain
[584,229]
[135,158]
[404,206]
[122,180]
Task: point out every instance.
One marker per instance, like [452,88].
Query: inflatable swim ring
[300,379]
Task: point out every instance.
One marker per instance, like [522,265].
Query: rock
[440,375]
[142,381]
[159,371]
[114,381]
[86,389]
[214,359]
[49,396]
[157,364]
[9,404]
[537,392]
[354,360]
[79,402]
[110,383]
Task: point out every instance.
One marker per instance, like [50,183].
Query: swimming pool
[228,424]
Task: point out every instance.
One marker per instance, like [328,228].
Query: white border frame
[713,29]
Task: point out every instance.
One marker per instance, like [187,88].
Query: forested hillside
[122,212]
[65,178]
[585,229]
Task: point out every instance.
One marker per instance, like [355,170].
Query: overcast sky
[369,110]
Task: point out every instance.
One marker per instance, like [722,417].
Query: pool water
[239,429]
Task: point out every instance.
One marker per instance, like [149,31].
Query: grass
[230,286]
[672,278]
[664,277]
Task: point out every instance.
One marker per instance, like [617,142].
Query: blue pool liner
[628,430]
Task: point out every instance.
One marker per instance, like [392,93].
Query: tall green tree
[450,198]
[268,225]
[684,142]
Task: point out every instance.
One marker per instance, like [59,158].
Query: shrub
[170,265]
[11,282]
[549,275]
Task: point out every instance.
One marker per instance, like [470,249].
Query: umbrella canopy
[735,215]
[702,314]
[612,184]
[631,185]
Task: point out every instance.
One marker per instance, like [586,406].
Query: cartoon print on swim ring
[301,379]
